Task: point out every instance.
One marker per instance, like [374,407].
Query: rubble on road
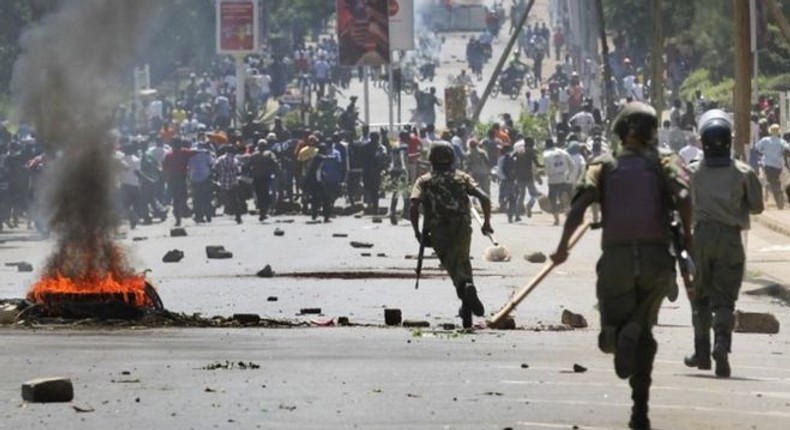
[218,252]
[536,257]
[48,390]
[573,319]
[266,272]
[756,322]
[178,232]
[392,317]
[416,324]
[506,323]
[355,244]
[173,256]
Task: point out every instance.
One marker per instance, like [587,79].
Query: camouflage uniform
[444,196]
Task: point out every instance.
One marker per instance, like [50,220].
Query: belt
[717,226]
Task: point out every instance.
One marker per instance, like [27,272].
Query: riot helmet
[715,133]
[639,119]
[441,154]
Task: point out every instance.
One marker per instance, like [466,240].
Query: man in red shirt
[174,167]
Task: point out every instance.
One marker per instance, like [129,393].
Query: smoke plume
[61,85]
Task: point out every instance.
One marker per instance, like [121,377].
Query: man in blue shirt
[775,152]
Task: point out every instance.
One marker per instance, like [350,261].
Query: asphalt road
[376,377]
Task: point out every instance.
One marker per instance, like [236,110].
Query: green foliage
[293,119]
[537,127]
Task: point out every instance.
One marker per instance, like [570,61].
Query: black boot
[470,304]
[625,354]
[701,357]
[641,380]
[721,350]
[639,419]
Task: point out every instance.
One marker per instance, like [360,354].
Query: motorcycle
[510,84]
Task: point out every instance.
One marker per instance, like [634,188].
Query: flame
[129,289]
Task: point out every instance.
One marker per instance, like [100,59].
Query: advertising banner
[401,24]
[363,32]
[238,29]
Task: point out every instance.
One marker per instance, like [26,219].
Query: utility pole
[501,63]
[607,71]
[743,70]
[781,20]
[657,59]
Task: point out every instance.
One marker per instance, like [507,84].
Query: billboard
[401,24]
[363,32]
[238,29]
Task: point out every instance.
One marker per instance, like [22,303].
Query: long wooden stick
[524,292]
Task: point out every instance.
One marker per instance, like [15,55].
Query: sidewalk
[775,220]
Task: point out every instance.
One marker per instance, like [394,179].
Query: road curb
[774,225]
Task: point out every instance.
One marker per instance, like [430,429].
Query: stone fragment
[278,232]
[448,326]
[24,267]
[578,368]
[506,323]
[339,235]
[392,316]
[247,318]
[536,257]
[756,322]
[48,390]
[266,272]
[173,256]
[343,321]
[310,311]
[381,254]
[355,244]
[178,232]
[416,324]
[377,220]
[365,254]
[139,239]
[574,320]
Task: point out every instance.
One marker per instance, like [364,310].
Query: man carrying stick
[637,189]
[444,196]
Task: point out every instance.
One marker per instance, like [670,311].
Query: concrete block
[756,322]
[218,252]
[247,318]
[416,324]
[178,232]
[392,316]
[573,319]
[48,390]
[271,299]
[173,256]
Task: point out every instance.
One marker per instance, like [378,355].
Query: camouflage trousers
[451,239]
[719,256]
[633,280]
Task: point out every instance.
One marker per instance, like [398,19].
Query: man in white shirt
[775,152]
[558,166]
[130,181]
[584,120]
[543,103]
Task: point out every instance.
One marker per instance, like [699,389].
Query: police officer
[636,270]
[444,194]
[725,192]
